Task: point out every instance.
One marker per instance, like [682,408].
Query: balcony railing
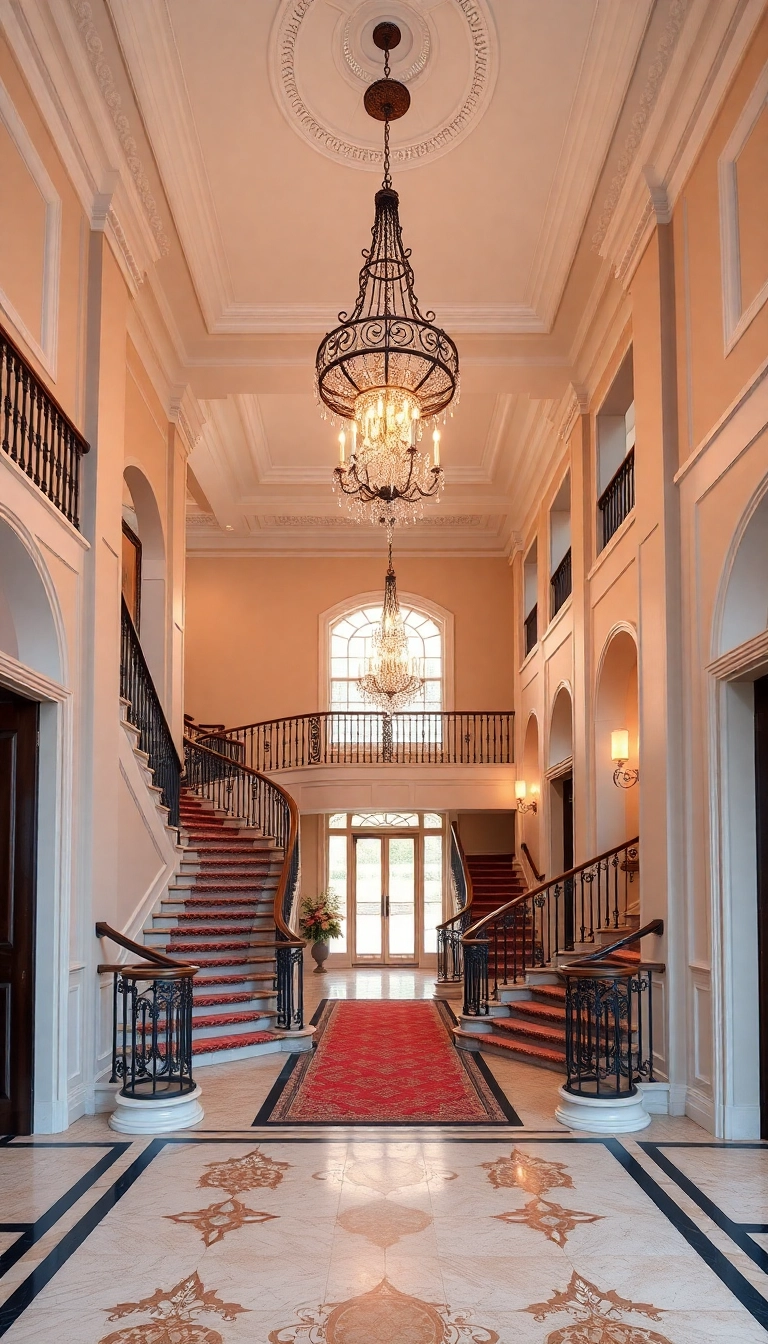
[36,433]
[561,582]
[349,737]
[531,629]
[618,497]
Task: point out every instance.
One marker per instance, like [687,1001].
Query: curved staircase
[219,914]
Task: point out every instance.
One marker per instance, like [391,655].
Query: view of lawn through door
[390,883]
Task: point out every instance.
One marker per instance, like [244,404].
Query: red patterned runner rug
[386,1062]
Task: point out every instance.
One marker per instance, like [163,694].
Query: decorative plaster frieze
[474,98]
[188,419]
[654,78]
[94,47]
[577,404]
[323,522]
[118,234]
[202,522]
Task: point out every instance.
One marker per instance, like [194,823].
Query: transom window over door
[351,643]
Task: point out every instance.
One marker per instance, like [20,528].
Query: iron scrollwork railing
[151,1022]
[609,1021]
[618,498]
[450,952]
[255,801]
[366,737]
[561,582]
[146,713]
[532,930]
[36,433]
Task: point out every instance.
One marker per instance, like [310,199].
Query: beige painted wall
[252,629]
[708,380]
[487,832]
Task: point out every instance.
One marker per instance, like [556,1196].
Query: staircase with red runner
[527,1021]
[496,879]
[219,915]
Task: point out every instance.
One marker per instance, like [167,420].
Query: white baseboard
[700,1108]
[655,1097]
[51,1118]
[741,1122]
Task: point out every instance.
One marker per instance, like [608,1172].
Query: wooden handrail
[288,936]
[471,935]
[104,930]
[540,877]
[655,926]
[467,878]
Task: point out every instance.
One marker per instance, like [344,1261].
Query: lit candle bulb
[436,442]
[354,437]
[342,446]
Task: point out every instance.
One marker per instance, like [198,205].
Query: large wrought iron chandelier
[387,369]
[391,677]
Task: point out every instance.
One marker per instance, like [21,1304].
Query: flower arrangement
[319,917]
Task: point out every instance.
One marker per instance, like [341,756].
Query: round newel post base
[134,1115]
[602,1115]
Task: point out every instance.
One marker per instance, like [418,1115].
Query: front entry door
[18,822]
[385,899]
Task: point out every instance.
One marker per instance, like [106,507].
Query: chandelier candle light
[387,368]
[392,677]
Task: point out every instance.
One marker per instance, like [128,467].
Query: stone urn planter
[320,955]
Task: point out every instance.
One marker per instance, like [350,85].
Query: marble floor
[231,1234]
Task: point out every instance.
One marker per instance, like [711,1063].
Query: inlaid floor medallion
[383,1316]
[174,1314]
[236,1175]
[384,1223]
[537,1177]
[597,1316]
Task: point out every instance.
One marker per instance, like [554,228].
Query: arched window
[351,643]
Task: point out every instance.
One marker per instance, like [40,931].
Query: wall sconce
[622,778]
[521,790]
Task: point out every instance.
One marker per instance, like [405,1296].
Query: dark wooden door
[761,808]
[18,827]
[568,858]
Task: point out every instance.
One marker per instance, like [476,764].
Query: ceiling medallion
[391,678]
[387,368]
[467,77]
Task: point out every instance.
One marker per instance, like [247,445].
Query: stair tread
[207,1045]
[539,1030]
[209,981]
[532,1051]
[245,996]
[542,1012]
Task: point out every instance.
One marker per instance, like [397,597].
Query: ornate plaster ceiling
[268,166]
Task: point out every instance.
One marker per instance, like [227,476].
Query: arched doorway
[531,772]
[143,571]
[739,707]
[560,777]
[616,708]
[33,886]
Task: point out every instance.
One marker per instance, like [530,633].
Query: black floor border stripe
[32,1232]
[738,1232]
[729,1275]
[27,1291]
[272,1097]
[473,1059]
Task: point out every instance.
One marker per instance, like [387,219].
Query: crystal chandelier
[387,368]
[391,678]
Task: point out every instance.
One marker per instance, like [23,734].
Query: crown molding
[186,414]
[613,45]
[149,49]
[576,403]
[669,129]
[261,319]
[50,49]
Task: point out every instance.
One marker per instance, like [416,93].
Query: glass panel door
[400,901]
[369,896]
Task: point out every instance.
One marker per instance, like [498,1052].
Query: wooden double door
[18,845]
